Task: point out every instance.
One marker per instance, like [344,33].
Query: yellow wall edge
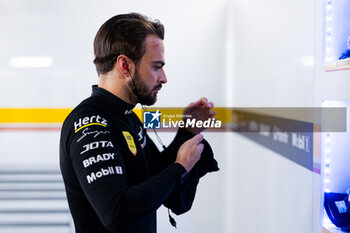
[57,115]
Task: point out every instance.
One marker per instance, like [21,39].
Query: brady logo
[87,121]
[151,120]
[95,145]
[97,159]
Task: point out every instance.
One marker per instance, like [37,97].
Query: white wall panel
[270,193]
[272,59]
[271,39]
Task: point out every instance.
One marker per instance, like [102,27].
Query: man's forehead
[154,48]
[154,41]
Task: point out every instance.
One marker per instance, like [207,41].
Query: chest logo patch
[130,141]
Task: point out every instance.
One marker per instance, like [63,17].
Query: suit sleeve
[97,162]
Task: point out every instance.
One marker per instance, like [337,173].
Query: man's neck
[121,90]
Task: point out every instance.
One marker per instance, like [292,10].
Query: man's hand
[190,152]
[200,110]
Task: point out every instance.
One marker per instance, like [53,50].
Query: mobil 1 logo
[104,172]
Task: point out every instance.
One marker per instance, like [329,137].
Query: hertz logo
[88,121]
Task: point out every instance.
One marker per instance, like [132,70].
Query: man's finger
[204,100]
[201,101]
[212,113]
[210,105]
[200,148]
[197,139]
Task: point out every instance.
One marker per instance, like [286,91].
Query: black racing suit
[114,175]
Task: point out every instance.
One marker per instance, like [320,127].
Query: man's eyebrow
[159,62]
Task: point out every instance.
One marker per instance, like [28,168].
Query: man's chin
[150,100]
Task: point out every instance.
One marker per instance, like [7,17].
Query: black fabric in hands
[181,199]
[206,164]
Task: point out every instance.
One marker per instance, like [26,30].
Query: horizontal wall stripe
[15,116]
[33,198]
[33,115]
[34,211]
[31,190]
[29,172]
[30,181]
[52,118]
[15,129]
[20,224]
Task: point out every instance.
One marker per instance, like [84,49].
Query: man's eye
[157,67]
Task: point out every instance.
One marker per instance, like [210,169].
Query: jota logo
[151,120]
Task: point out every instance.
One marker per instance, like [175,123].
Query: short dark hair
[123,34]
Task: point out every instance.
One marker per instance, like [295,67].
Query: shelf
[338,65]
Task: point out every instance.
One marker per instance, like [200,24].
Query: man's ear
[123,65]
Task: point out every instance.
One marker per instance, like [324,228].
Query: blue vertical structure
[335,174]
[336,38]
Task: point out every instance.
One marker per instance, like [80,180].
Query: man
[114,175]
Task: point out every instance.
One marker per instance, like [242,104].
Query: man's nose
[162,77]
